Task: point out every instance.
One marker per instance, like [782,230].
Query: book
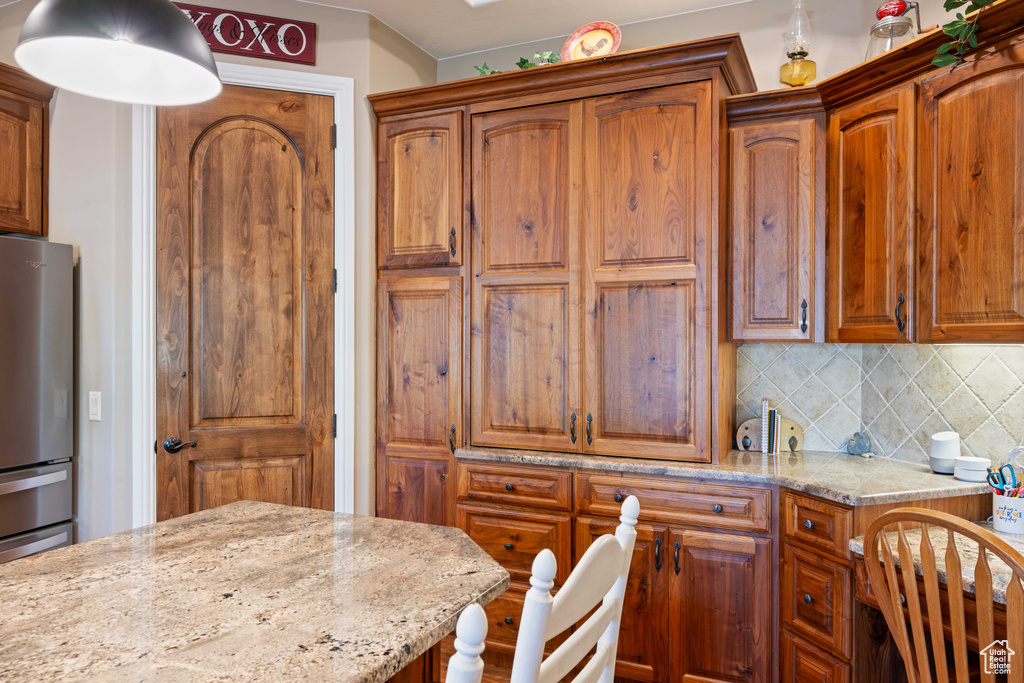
[764,426]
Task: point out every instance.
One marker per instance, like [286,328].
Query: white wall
[840,28]
[90,208]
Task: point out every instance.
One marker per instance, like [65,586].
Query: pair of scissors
[1005,479]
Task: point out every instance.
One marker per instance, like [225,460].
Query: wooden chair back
[926,621]
[599,580]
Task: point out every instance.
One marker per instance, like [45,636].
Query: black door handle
[451,439]
[803,316]
[675,557]
[657,554]
[590,439]
[572,427]
[899,303]
[451,242]
[174,444]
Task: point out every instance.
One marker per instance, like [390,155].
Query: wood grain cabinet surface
[972,214]
[777,216]
[420,189]
[526,390]
[871,185]
[24,141]
[418,396]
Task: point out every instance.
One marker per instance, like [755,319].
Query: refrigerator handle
[32,482]
[34,547]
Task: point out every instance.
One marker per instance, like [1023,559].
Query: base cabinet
[417,491]
[805,663]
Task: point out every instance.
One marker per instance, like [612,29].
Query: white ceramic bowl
[977,476]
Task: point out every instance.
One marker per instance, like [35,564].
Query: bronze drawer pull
[508,546]
[900,324]
[717,509]
[590,439]
[675,557]
[803,316]
[808,524]
[572,427]
[451,242]
[508,487]
[657,554]
[508,620]
[808,599]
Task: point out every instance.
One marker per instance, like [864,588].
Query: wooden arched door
[245,301]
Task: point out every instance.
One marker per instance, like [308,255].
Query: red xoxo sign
[235,32]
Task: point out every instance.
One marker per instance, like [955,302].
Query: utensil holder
[1007,514]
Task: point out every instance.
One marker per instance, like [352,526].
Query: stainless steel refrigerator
[36,396]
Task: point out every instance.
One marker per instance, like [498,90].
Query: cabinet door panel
[22,165]
[526,292]
[419,205]
[647,373]
[643,640]
[721,599]
[418,364]
[418,396]
[417,490]
[523,209]
[524,387]
[643,158]
[972,190]
[645,366]
[871,244]
[777,191]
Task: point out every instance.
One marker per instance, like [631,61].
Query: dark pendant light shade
[136,51]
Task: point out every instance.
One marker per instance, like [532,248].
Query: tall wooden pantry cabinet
[552,254]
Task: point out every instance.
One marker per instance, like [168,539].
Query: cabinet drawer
[682,502]
[514,538]
[817,523]
[804,663]
[549,489]
[815,599]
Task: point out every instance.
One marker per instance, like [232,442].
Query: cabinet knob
[808,524]
[618,497]
[717,509]
[808,599]
[508,487]
[508,620]
[508,546]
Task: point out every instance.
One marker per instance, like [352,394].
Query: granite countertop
[245,592]
[846,479]
[967,549]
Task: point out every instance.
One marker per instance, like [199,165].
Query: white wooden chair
[599,577]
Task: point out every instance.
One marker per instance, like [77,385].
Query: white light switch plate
[95,406]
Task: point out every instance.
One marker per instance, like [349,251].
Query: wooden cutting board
[751,429]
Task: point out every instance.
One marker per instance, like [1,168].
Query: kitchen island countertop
[847,479]
[245,592]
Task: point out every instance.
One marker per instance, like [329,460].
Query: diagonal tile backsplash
[899,395]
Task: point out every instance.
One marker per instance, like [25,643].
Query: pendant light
[135,51]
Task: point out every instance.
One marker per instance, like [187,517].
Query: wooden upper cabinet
[526,321]
[24,132]
[420,190]
[777,221]
[871,224]
[648,177]
[972,202]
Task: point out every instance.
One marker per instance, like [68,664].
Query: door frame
[143,217]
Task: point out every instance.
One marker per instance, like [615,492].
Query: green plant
[963,30]
[539,59]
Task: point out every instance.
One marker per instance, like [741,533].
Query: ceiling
[447,28]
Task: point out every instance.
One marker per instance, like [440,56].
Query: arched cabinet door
[972,212]
[419,190]
[871,146]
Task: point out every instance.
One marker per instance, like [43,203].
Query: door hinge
[335,280]
[334,136]
[334,426]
